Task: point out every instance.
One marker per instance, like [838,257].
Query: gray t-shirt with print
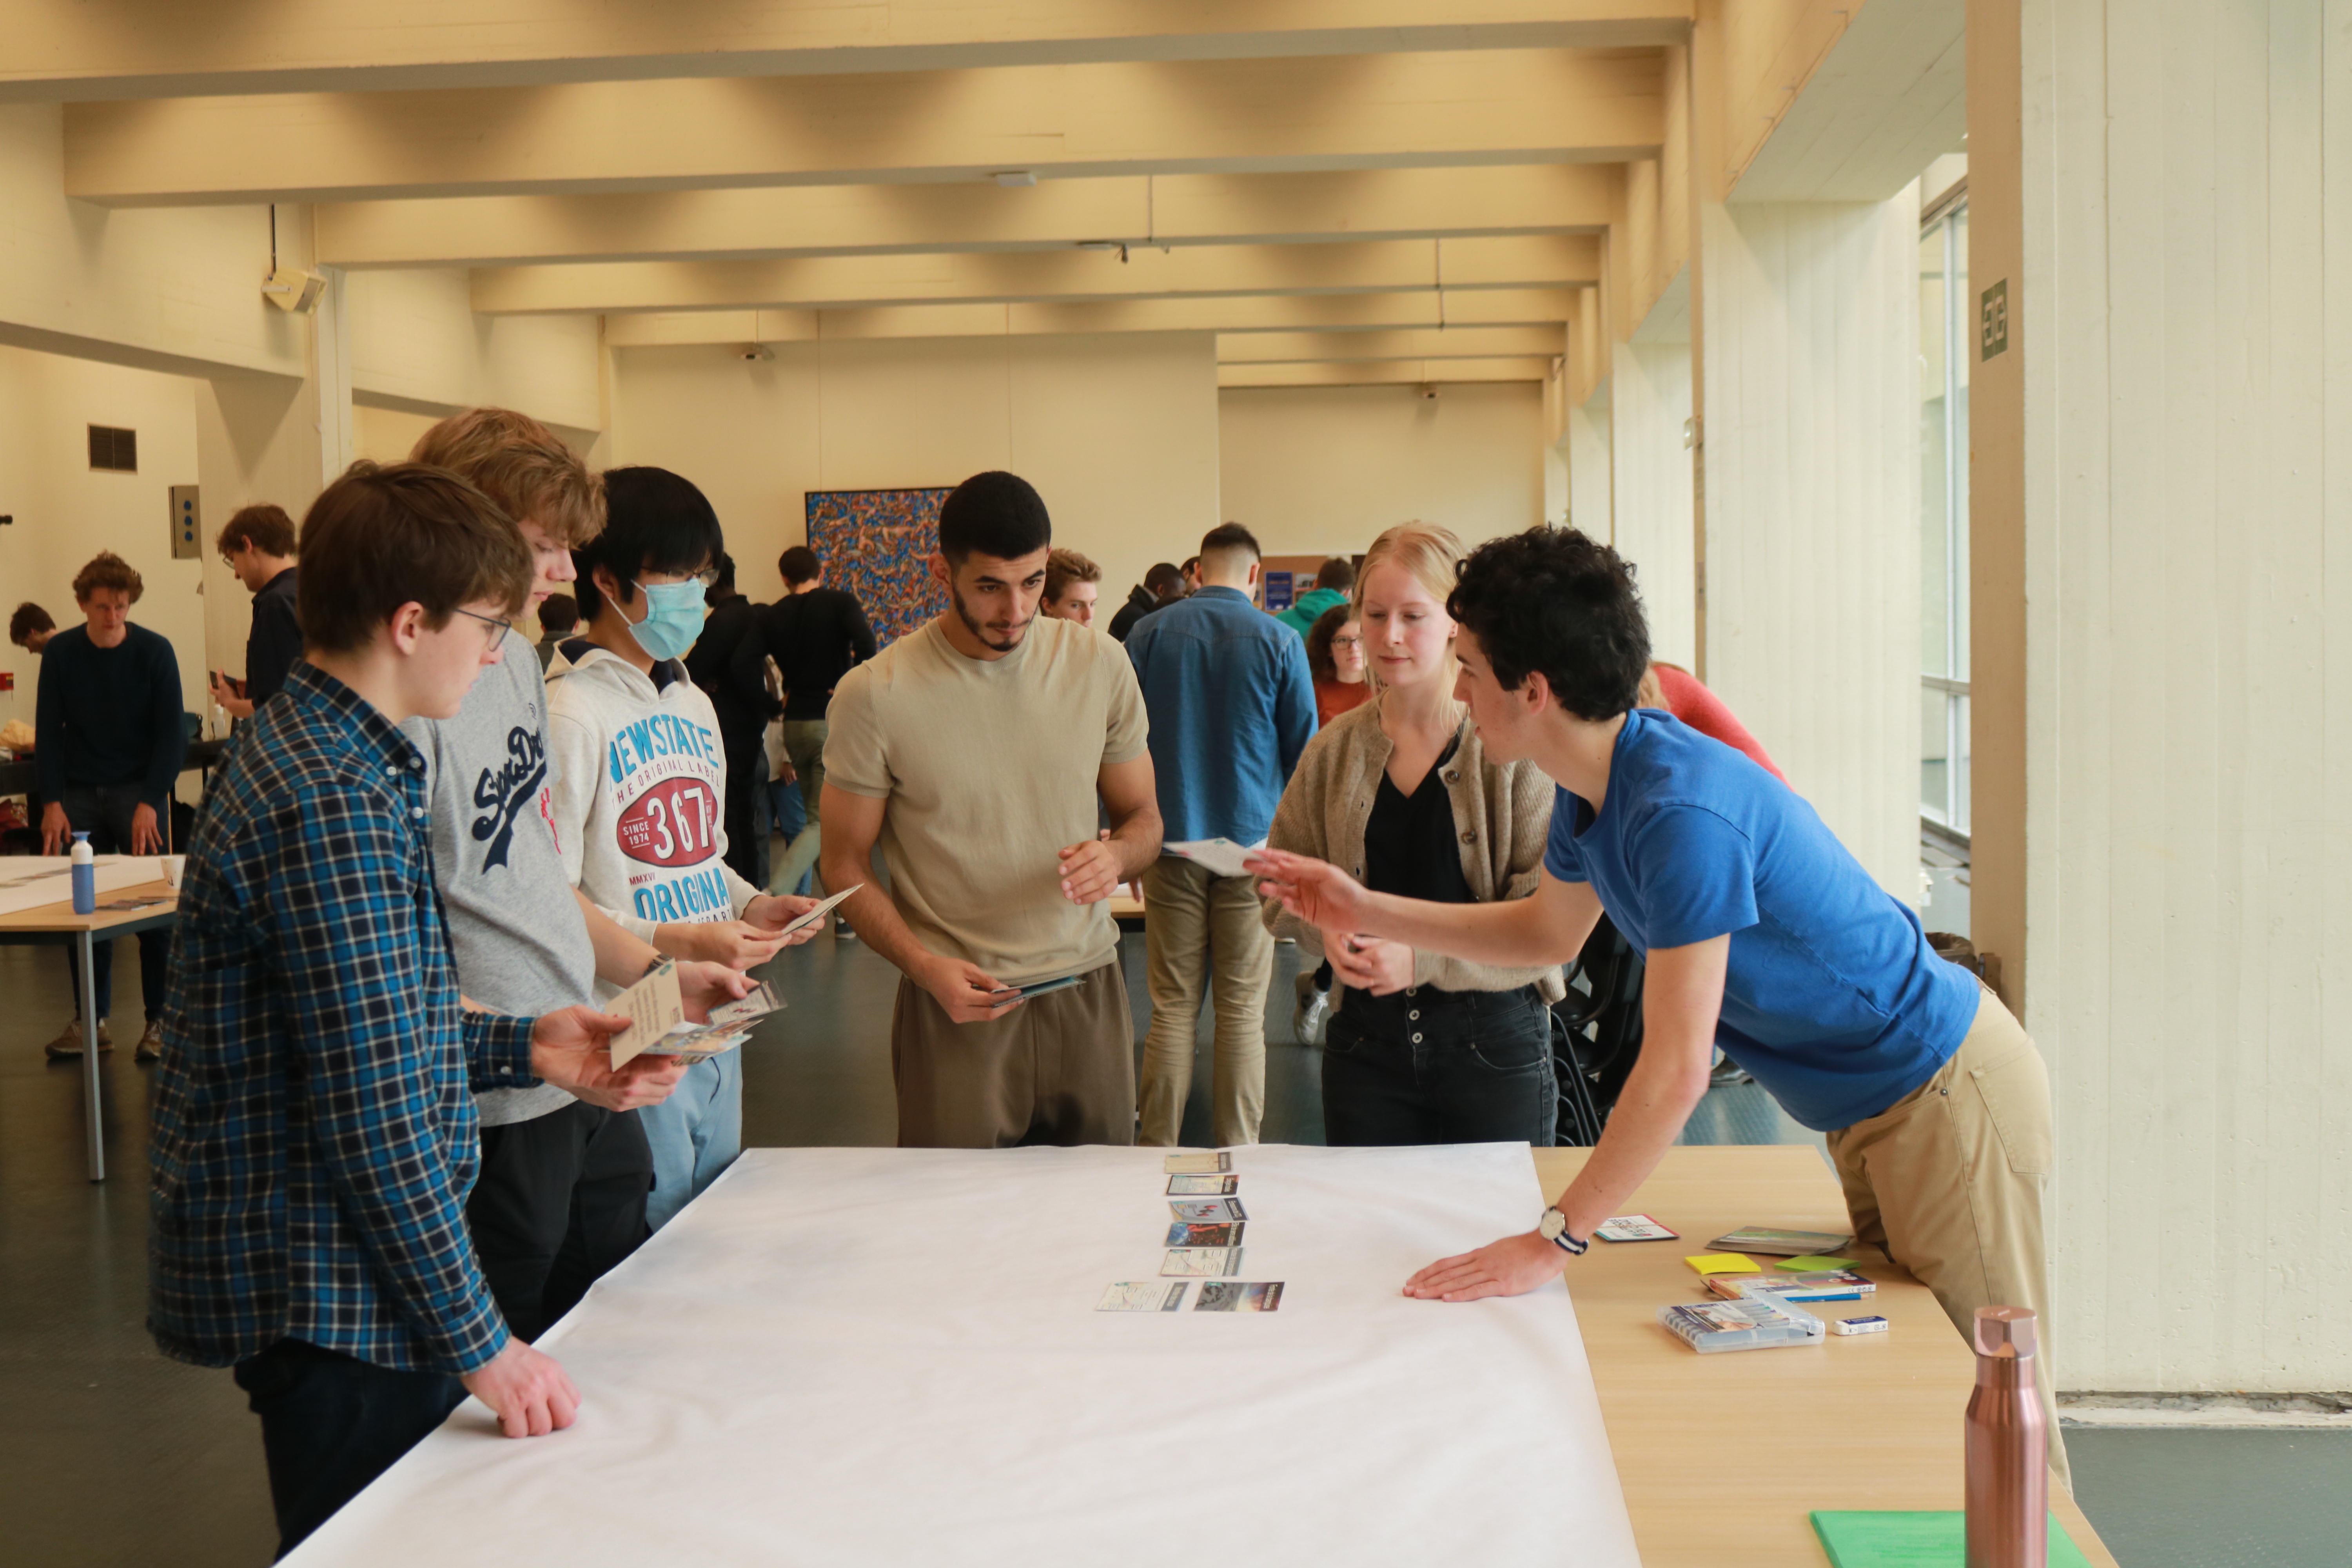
[520,942]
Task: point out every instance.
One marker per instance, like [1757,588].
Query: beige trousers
[1060,1070]
[804,744]
[1199,928]
[1948,1182]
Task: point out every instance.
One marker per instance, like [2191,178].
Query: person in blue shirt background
[1761,931]
[1232,706]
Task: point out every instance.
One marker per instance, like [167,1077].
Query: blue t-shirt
[1832,998]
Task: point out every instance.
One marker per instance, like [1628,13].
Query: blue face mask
[674,614]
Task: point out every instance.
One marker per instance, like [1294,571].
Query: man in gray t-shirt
[561,1197]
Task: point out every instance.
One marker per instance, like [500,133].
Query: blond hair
[521,465]
[1432,556]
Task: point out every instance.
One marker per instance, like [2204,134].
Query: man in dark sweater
[1161,586]
[710,664]
[259,546]
[814,634]
[110,741]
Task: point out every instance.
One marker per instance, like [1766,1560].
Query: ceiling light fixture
[1009,178]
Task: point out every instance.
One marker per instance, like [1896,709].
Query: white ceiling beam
[1547,308]
[1457,266]
[70,51]
[1361,111]
[1415,343]
[1384,372]
[781,222]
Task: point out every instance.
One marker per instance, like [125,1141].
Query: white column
[1649,411]
[1588,504]
[1811,446]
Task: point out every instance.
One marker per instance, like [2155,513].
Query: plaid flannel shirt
[314,1135]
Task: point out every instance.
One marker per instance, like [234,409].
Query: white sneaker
[1313,1012]
[67,1045]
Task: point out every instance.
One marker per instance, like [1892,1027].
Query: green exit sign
[1993,323]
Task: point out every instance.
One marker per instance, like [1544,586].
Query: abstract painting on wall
[877,545]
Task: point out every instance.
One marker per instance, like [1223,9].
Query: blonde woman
[1423,1048]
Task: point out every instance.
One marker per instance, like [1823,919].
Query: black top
[275,640]
[1139,604]
[1412,846]
[711,664]
[815,637]
[109,715]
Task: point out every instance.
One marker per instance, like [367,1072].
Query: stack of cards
[1204,1242]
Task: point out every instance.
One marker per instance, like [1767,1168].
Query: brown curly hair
[106,570]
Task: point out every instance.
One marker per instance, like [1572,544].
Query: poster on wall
[877,545]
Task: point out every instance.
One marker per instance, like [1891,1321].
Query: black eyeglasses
[499,629]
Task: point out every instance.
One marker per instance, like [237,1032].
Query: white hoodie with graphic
[639,801]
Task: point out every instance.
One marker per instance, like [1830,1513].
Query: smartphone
[1039,989]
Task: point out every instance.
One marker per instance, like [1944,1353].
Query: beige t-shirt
[989,768]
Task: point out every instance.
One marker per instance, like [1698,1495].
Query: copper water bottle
[2008,1447]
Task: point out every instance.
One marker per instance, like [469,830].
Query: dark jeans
[747,770]
[560,1202]
[1426,1066]
[330,1425]
[103,811]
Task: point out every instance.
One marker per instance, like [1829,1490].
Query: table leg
[89,1053]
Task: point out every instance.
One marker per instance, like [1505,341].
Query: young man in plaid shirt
[314,1133]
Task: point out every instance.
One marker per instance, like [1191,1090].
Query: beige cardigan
[1504,814]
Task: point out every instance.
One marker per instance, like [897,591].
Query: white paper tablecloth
[856,1356]
[28,882]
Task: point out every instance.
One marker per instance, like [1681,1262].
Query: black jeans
[330,1423]
[103,811]
[1426,1066]
[560,1201]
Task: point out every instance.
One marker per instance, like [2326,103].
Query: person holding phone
[258,545]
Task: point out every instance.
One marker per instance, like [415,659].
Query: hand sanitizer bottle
[85,876]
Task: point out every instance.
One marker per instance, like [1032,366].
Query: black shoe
[843,931]
[1727,1072]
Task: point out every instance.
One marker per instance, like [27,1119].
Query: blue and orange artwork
[877,545]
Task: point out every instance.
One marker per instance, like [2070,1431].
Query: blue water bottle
[85,876]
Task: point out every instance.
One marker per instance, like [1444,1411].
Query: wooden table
[58,924]
[1724,1456]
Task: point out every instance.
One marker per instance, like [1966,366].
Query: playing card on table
[1201,1186]
[1197,1165]
[1206,1211]
[1183,1235]
[1144,1296]
[1239,1296]
[1211,1262]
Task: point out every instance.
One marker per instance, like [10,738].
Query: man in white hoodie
[641,789]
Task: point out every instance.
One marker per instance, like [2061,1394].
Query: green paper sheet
[1817,1265]
[1892,1539]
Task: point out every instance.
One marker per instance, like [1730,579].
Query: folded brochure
[817,914]
[1223,857]
[658,1025]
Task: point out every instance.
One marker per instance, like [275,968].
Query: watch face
[1554,1222]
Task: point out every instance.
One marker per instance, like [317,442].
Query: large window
[1943,357]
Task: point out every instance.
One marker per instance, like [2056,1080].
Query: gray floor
[110,1454]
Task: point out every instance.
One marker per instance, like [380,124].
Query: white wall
[67,512]
[1589,484]
[2176,236]
[1813,483]
[417,345]
[1326,468]
[1119,435]
[1649,403]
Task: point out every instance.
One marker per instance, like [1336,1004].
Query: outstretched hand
[1511,1266]
[1315,892]
[571,1048]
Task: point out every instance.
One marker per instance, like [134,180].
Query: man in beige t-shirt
[973,751]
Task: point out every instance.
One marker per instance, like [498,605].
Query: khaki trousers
[1060,1070]
[1199,928]
[805,745]
[1948,1183]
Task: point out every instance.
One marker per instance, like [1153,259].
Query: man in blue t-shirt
[1762,934]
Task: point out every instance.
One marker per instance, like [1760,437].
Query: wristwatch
[1554,1229]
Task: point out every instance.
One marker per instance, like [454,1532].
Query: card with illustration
[1183,1235]
[1201,1186]
[1197,1165]
[1206,1211]
[1632,1227]
[1144,1296]
[1203,1262]
[1239,1296]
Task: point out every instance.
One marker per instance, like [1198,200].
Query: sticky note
[1817,1265]
[1723,1263]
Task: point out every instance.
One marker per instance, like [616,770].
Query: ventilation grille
[114,450]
